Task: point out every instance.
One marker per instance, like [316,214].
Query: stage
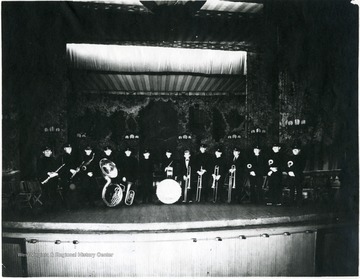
[174,240]
[161,217]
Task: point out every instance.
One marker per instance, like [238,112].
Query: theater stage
[175,217]
[173,240]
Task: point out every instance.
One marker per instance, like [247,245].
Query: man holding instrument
[47,173]
[67,173]
[168,165]
[88,168]
[187,174]
[202,167]
[218,174]
[236,167]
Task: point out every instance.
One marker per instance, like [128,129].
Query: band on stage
[82,178]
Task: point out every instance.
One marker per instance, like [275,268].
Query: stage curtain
[116,58]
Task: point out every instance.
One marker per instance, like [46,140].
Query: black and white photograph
[180,138]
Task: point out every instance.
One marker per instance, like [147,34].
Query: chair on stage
[29,195]
[245,191]
[23,198]
[35,189]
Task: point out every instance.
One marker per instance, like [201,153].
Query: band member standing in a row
[108,153]
[294,168]
[275,168]
[218,169]
[128,166]
[256,171]
[66,174]
[238,161]
[202,166]
[89,168]
[146,177]
[187,173]
[48,177]
[168,165]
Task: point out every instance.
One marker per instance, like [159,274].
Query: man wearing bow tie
[187,176]
[202,167]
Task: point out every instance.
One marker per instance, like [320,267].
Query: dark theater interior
[210,138]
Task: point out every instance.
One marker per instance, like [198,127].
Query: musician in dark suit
[47,166]
[238,160]
[108,153]
[90,166]
[128,166]
[66,175]
[203,169]
[275,166]
[255,173]
[294,168]
[146,169]
[187,173]
[218,168]
[168,165]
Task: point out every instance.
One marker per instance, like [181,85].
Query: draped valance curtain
[142,59]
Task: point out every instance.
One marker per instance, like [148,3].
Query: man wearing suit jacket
[186,174]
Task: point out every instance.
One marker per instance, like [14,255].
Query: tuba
[112,193]
[215,183]
[130,194]
[232,182]
[187,183]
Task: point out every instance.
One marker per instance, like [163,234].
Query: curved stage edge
[175,240]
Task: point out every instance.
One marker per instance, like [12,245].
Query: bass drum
[168,191]
[112,194]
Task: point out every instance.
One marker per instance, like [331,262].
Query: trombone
[232,182]
[187,183]
[199,185]
[215,184]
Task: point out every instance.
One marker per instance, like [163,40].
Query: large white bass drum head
[168,191]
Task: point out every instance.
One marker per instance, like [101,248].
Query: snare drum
[168,191]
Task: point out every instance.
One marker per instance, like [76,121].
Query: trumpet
[232,182]
[130,195]
[199,185]
[187,182]
[215,183]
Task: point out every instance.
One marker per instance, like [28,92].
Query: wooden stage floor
[152,217]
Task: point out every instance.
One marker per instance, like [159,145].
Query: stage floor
[152,217]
